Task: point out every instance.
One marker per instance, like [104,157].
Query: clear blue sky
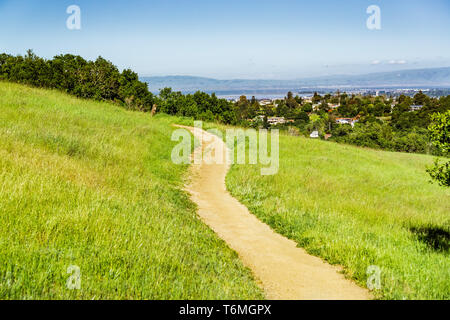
[235,39]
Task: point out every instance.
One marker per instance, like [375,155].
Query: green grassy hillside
[92,185]
[357,207]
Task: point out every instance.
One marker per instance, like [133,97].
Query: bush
[440,136]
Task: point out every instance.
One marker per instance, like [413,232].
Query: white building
[265,102]
[350,121]
[416,107]
[276,120]
[314,134]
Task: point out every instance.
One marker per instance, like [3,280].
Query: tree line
[102,80]
[99,79]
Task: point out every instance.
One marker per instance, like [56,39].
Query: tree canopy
[440,137]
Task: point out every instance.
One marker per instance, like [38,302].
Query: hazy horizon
[286,79]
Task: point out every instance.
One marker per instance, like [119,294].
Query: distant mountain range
[435,77]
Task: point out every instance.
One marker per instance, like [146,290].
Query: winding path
[284,271]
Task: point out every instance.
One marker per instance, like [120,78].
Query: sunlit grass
[91,184]
[357,207]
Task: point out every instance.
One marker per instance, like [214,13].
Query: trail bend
[284,271]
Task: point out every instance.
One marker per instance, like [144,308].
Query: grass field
[92,185]
[357,207]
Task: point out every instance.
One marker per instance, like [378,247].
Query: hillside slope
[91,185]
[357,207]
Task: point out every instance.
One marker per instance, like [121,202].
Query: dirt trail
[284,270]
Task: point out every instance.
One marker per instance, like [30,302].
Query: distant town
[393,95]
[395,119]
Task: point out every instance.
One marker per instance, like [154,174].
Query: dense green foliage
[91,184]
[440,136]
[101,80]
[383,136]
[391,125]
[98,79]
[199,105]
